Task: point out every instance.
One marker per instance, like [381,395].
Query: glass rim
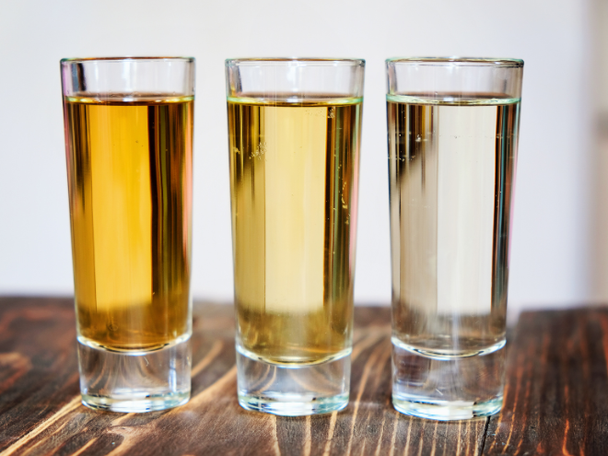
[463,61]
[125,58]
[319,60]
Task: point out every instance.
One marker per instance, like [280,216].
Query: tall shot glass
[128,131]
[452,146]
[294,133]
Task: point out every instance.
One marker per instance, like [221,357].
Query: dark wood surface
[556,398]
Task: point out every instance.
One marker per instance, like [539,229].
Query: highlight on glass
[453,126]
[128,132]
[294,137]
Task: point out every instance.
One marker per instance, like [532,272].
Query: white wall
[599,270]
[549,261]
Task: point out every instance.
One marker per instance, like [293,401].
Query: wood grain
[555,398]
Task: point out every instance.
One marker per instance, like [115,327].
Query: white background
[550,256]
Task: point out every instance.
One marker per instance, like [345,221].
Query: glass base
[447,388]
[292,391]
[446,411]
[134,381]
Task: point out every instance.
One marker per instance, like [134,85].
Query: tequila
[294,176]
[130,184]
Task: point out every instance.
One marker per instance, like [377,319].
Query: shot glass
[453,127]
[128,134]
[294,134]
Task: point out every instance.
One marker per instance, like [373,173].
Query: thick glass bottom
[446,411]
[447,388]
[292,391]
[134,381]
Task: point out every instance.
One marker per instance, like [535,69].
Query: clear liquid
[130,184]
[294,173]
[451,166]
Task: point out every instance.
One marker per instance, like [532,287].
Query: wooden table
[556,398]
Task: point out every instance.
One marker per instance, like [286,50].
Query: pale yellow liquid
[452,167]
[130,185]
[294,172]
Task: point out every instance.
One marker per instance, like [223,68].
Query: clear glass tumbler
[128,133]
[453,127]
[294,134]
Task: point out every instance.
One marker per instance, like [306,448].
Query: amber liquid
[452,166]
[294,173]
[130,186]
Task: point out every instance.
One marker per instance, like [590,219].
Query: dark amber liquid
[130,185]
